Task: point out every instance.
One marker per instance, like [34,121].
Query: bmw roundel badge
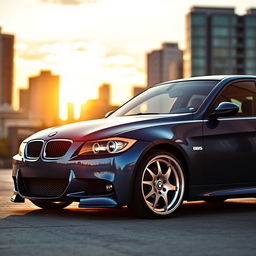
[52,134]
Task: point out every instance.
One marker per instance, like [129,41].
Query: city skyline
[107,40]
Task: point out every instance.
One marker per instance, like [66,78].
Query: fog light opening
[109,187]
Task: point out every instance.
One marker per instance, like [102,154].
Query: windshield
[173,98]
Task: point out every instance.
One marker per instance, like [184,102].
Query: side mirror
[224,109]
[109,113]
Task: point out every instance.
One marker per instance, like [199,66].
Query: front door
[230,143]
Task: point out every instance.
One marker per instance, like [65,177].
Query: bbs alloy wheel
[160,186]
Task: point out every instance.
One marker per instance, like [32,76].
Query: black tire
[50,204]
[159,185]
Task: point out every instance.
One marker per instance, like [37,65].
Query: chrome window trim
[33,159]
[238,118]
[54,158]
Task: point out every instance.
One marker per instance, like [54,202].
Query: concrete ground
[198,229]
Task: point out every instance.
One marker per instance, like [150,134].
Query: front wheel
[50,204]
[159,186]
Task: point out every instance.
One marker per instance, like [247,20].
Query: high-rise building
[71,111]
[44,98]
[98,108]
[161,63]
[250,42]
[218,41]
[136,90]
[24,100]
[105,94]
[6,68]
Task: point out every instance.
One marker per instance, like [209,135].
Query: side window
[241,93]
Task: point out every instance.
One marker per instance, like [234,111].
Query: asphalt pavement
[199,228]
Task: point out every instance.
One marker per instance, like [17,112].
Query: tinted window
[199,52]
[173,98]
[222,20]
[198,41]
[251,21]
[199,31]
[241,93]
[220,31]
[198,19]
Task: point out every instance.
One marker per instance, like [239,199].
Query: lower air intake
[36,187]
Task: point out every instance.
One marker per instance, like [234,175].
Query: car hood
[103,128]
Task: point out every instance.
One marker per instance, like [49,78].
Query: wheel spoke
[151,193]
[159,170]
[170,187]
[156,200]
[168,173]
[151,173]
[166,203]
[148,182]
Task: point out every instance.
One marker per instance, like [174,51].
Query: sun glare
[82,67]
[79,66]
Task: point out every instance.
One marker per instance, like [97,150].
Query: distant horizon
[90,42]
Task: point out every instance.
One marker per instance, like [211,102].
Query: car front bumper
[98,182]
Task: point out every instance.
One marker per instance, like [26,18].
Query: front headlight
[21,148]
[106,146]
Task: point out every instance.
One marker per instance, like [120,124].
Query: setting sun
[77,67]
[83,67]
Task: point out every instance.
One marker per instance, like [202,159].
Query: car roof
[213,77]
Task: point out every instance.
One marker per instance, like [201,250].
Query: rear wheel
[159,186]
[50,204]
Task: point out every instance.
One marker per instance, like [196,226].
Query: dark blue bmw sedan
[189,139]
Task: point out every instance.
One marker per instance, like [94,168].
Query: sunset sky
[89,42]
